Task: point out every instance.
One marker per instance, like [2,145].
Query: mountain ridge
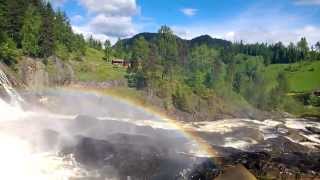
[199,40]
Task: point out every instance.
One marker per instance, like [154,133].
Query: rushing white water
[19,160]
[15,98]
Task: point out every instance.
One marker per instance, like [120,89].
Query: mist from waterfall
[10,110]
[19,159]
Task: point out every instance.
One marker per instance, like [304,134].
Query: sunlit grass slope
[94,68]
[302,77]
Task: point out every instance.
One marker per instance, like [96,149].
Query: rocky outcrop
[36,75]
[33,73]
[60,72]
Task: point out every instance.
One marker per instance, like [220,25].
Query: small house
[121,62]
[317,93]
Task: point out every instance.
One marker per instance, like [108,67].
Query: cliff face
[33,74]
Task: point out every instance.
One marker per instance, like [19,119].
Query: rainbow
[187,132]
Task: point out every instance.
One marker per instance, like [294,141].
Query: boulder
[313,130]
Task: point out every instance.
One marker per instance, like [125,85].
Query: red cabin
[121,62]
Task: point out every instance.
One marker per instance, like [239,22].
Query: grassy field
[94,68]
[303,77]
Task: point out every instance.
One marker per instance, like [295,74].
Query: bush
[311,69]
[314,100]
[182,99]
[62,52]
[9,52]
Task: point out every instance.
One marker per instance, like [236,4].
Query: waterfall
[15,98]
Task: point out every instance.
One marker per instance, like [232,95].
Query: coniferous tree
[30,32]
[3,12]
[168,49]
[140,54]
[47,32]
[14,19]
[107,51]
[303,48]
[317,46]
[119,50]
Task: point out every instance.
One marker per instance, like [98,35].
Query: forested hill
[277,53]
[203,76]
[201,40]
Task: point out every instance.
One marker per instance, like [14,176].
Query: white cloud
[307,2]
[107,27]
[107,19]
[189,11]
[87,33]
[118,26]
[111,7]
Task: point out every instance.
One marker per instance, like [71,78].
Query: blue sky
[249,20]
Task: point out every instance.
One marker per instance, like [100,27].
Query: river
[67,134]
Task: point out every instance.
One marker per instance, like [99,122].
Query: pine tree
[107,51]
[140,54]
[168,49]
[317,46]
[303,48]
[119,49]
[3,12]
[30,32]
[63,34]
[47,32]
[303,45]
[14,19]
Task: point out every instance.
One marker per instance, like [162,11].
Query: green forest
[193,76]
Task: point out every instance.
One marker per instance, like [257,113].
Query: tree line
[278,52]
[33,28]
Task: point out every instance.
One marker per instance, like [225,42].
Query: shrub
[9,52]
[182,99]
[314,100]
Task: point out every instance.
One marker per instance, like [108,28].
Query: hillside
[94,68]
[302,77]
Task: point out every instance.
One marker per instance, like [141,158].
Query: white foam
[220,126]
[300,124]
[238,144]
[19,161]
[11,113]
[156,124]
[314,138]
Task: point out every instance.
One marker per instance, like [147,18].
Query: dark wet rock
[82,123]
[313,130]
[138,160]
[93,153]
[295,135]
[304,162]
[205,170]
[277,166]
[280,145]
